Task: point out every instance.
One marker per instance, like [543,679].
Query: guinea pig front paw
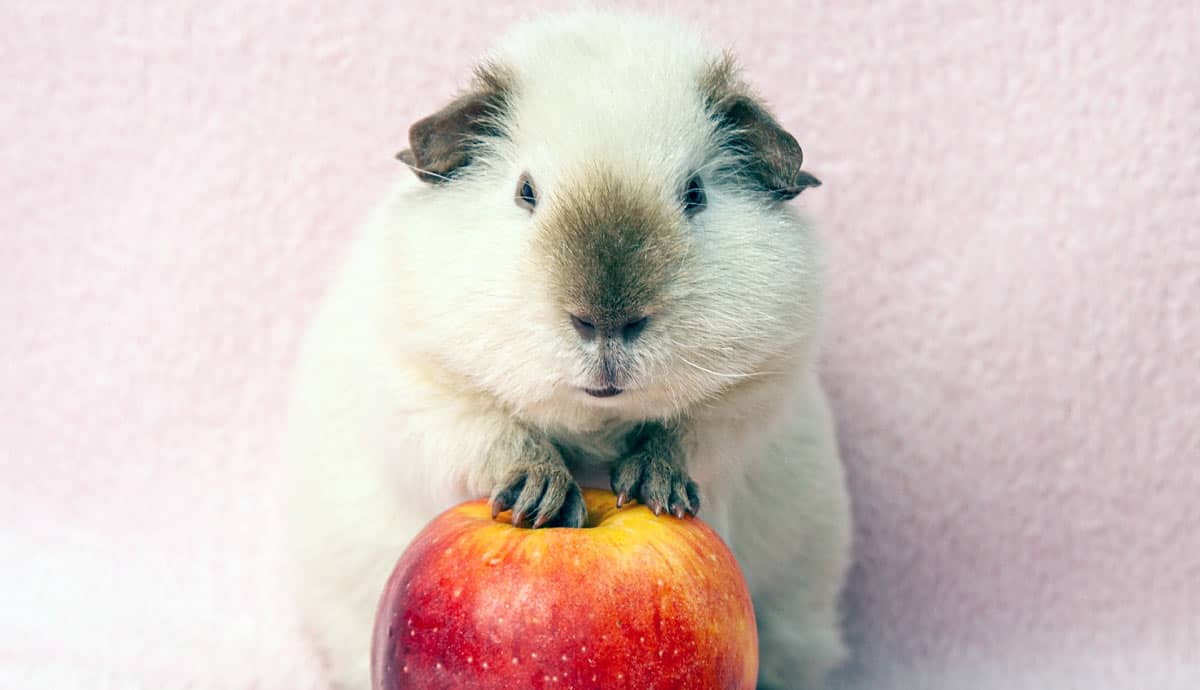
[545,491]
[656,484]
[654,474]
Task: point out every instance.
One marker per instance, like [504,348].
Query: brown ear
[444,142]
[773,156]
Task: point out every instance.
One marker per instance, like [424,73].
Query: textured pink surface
[1013,201]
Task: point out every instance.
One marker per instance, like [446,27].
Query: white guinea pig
[592,277]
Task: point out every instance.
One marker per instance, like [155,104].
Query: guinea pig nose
[626,329]
[586,329]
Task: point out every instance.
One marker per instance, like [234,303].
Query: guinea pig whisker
[423,171]
[729,376]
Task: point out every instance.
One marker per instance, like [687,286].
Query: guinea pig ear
[445,142]
[773,156]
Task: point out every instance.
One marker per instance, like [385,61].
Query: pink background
[1013,202]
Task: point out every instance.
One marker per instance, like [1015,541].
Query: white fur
[440,331]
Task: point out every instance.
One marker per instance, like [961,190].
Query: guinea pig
[587,273]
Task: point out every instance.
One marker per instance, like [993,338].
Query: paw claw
[622,499]
[501,501]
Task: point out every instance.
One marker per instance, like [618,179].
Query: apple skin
[631,601]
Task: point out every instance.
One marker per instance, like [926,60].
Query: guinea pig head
[641,259]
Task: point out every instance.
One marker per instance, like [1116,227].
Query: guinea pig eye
[694,199]
[526,194]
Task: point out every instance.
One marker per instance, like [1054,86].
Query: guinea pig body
[593,277]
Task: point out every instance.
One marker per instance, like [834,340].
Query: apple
[629,601]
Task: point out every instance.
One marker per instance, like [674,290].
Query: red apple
[630,601]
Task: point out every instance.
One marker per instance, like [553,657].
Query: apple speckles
[484,665]
[457,592]
[470,659]
[533,655]
[494,561]
[406,668]
[438,665]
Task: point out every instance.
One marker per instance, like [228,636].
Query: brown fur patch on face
[444,142]
[772,155]
[610,247]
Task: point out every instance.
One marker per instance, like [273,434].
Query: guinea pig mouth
[602,392]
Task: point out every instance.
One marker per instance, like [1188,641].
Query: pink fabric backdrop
[1013,201]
